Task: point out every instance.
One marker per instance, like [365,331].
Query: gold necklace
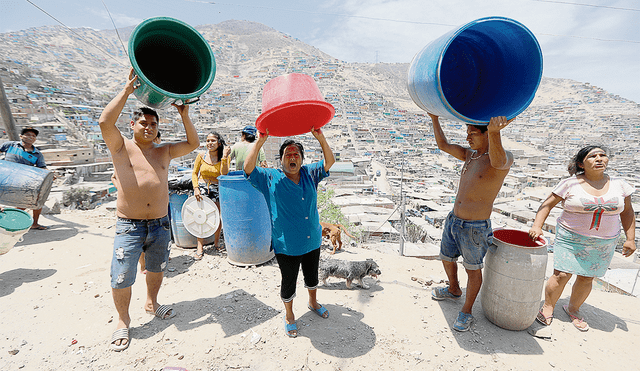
[471,158]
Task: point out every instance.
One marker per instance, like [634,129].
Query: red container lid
[291,105]
[518,238]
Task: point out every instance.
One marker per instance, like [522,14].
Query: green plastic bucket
[172,60]
[13,224]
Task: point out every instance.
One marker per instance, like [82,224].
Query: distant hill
[85,57]
[89,66]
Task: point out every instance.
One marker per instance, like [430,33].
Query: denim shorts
[469,238]
[133,237]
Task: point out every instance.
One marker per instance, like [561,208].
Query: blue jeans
[469,238]
[133,237]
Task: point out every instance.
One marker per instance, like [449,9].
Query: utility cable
[588,5]
[433,23]
[116,29]
[322,13]
[75,33]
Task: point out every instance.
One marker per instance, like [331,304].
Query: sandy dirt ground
[56,313]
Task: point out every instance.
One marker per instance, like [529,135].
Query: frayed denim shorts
[133,237]
[469,238]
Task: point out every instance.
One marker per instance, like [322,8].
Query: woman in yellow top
[208,167]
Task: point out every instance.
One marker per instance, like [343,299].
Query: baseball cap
[251,130]
[31,129]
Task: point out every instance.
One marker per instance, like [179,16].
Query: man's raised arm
[185,147]
[454,150]
[500,159]
[110,133]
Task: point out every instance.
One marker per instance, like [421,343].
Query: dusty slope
[54,288]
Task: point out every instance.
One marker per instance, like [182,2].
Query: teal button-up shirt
[295,222]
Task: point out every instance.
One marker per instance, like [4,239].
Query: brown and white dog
[332,231]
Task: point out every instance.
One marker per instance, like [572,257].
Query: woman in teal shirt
[291,195]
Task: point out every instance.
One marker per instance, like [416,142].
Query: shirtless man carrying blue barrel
[467,230]
[141,169]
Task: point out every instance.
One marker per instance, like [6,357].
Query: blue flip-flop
[290,327]
[320,311]
[441,293]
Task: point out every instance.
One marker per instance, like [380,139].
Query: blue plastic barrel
[245,221]
[489,67]
[181,237]
[24,186]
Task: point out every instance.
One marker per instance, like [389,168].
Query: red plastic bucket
[292,105]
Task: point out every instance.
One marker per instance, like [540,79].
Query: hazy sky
[595,41]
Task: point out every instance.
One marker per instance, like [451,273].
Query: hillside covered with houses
[389,165]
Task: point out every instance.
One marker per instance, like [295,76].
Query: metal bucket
[172,60]
[513,279]
[486,68]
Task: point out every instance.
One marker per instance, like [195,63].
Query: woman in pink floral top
[596,208]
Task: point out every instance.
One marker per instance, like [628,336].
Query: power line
[324,13]
[75,33]
[115,28]
[591,38]
[433,23]
[588,5]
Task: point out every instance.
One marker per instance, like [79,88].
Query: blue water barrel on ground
[182,237]
[245,221]
[24,186]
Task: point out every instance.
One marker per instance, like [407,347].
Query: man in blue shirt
[291,195]
[25,153]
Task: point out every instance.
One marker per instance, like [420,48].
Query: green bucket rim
[20,216]
[138,71]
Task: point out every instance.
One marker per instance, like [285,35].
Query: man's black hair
[482,128]
[248,137]
[144,111]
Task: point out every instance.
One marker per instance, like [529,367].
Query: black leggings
[289,267]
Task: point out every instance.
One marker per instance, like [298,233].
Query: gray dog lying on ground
[351,270]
